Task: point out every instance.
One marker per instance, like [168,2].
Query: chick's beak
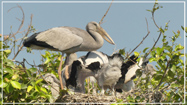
[105,35]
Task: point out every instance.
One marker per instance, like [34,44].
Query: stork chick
[106,70]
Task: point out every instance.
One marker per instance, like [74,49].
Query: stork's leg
[102,91]
[94,88]
[59,72]
[67,67]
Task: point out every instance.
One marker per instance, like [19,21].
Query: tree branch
[154,44]
[166,69]
[21,24]
[105,13]
[142,39]
[28,30]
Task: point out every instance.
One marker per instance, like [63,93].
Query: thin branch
[142,39]
[166,69]
[105,13]
[28,62]
[154,44]
[21,24]
[28,30]
[153,17]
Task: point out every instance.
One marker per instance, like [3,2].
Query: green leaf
[9,88]
[43,89]
[7,51]
[173,69]
[3,84]
[15,84]
[38,81]
[122,51]
[47,61]
[32,69]
[145,49]
[151,60]
[174,85]
[8,70]
[157,77]
[37,88]
[23,86]
[9,63]
[153,53]
[178,47]
[149,10]
[29,73]
[184,29]
[29,88]
[159,50]
[171,74]
[136,53]
[15,76]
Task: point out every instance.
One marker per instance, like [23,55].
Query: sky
[125,21]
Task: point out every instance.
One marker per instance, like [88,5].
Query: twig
[142,39]
[154,45]
[158,28]
[153,17]
[166,69]
[25,36]
[43,77]
[21,24]
[21,63]
[28,62]
[105,13]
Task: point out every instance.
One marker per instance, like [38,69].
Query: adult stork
[69,40]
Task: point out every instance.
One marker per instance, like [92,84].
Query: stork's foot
[102,92]
[66,72]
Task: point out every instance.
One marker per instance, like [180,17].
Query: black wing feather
[33,41]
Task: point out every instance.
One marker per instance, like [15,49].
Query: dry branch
[142,39]
[105,13]
[28,30]
[21,24]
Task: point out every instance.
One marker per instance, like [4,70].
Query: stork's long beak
[105,35]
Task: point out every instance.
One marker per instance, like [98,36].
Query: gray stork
[69,40]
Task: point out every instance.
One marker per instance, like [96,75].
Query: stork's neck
[98,39]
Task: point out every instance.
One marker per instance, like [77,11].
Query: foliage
[21,84]
[167,82]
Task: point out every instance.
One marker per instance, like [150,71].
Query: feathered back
[131,61]
[116,60]
[126,65]
[95,56]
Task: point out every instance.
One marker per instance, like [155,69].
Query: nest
[88,98]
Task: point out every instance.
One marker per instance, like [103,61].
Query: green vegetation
[22,84]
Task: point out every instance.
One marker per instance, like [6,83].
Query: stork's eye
[114,70]
[95,24]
